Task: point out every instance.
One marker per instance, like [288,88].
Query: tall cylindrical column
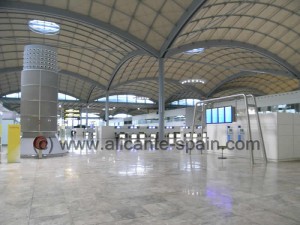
[39,89]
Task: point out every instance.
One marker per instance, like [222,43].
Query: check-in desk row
[136,136]
[151,136]
[89,135]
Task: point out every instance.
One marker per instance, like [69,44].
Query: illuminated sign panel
[72,113]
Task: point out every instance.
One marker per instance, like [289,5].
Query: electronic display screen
[221,112]
[220,115]
[208,116]
[215,115]
[228,114]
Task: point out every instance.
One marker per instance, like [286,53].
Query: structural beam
[184,19]
[107,109]
[121,63]
[90,93]
[167,80]
[245,89]
[10,70]
[161,100]
[83,78]
[273,72]
[86,115]
[235,44]
[66,72]
[228,79]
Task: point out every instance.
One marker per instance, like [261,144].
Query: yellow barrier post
[13,143]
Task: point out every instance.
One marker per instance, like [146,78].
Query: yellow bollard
[13,143]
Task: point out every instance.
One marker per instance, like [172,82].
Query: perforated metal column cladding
[39,89]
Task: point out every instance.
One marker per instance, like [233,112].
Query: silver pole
[194,120]
[260,132]
[249,129]
[86,117]
[107,108]
[203,122]
[161,100]
[80,116]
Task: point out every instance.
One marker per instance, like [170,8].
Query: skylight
[185,102]
[62,96]
[195,51]
[43,27]
[122,115]
[127,99]
[13,95]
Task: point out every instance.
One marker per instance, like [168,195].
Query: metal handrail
[249,133]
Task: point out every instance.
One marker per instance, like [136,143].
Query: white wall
[288,136]
[189,114]
[281,133]
[267,100]
[105,133]
[269,130]
[168,113]
[116,122]
[278,99]
[9,115]
[296,125]
[5,124]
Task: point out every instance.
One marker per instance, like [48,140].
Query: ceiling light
[108,109]
[194,81]
[44,27]
[195,51]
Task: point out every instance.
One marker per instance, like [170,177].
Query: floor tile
[148,187]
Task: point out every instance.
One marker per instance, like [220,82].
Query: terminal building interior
[149,112]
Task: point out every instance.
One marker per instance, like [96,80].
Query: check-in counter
[122,136]
[153,136]
[171,138]
[134,136]
[142,136]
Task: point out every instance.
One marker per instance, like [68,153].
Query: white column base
[53,148]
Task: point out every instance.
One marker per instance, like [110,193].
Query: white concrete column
[161,100]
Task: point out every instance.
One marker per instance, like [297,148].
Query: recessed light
[195,51]
[194,81]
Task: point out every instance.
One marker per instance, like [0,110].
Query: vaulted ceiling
[114,45]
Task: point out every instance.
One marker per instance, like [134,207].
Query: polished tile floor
[148,187]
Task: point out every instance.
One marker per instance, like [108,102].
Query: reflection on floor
[148,187]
